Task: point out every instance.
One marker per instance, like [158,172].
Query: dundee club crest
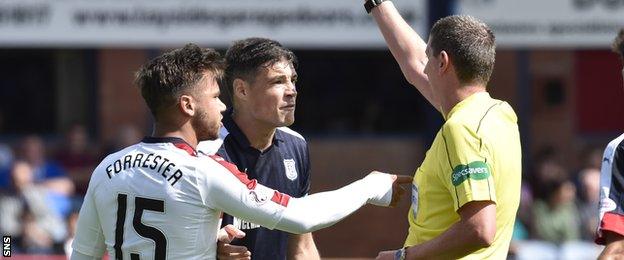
[290,168]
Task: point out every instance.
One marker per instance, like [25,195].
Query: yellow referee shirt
[475,157]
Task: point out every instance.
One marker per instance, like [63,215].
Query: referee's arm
[407,48]
[475,230]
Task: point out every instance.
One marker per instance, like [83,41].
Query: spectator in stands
[125,136]
[588,203]
[555,216]
[27,215]
[78,157]
[48,173]
[6,159]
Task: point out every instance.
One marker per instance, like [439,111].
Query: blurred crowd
[558,212]
[43,181]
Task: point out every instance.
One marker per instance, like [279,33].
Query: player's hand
[388,188]
[386,255]
[397,189]
[230,252]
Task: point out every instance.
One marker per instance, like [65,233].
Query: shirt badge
[414,200]
[291,169]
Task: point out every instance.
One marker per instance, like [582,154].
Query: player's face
[207,119]
[273,94]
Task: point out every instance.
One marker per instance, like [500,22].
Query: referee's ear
[444,61]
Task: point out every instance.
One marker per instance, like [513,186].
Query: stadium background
[71,62]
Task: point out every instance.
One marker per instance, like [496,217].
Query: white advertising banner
[549,23]
[215,23]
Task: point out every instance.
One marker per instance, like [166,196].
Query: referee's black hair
[246,56]
[166,77]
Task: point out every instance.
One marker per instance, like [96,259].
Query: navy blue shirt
[284,166]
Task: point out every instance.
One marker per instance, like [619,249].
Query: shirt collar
[237,133]
[176,141]
[466,102]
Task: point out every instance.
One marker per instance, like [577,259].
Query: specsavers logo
[474,170]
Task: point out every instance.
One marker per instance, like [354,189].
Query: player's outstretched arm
[407,47]
[324,209]
[245,199]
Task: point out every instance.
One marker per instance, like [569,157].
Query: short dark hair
[246,56]
[470,45]
[618,44]
[163,79]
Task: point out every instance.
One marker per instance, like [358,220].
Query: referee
[466,193]
[260,79]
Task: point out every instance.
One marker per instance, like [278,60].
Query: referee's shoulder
[457,126]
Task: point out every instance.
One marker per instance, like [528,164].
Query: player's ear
[240,88]
[187,105]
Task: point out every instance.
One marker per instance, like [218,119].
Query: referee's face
[431,68]
[272,95]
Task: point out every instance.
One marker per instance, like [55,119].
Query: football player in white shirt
[161,199]
[610,230]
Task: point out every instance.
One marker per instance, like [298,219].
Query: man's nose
[291,89]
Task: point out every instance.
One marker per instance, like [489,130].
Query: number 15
[141,204]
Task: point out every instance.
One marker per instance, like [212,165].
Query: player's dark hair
[246,56]
[618,44]
[470,45]
[163,79]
